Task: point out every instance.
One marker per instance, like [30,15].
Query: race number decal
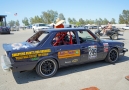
[92,52]
[105,47]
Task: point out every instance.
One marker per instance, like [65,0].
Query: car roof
[3,16]
[63,29]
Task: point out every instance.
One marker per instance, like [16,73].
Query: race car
[48,50]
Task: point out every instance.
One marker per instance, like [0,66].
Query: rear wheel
[114,37]
[112,56]
[47,68]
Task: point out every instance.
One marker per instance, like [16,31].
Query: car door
[67,54]
[91,49]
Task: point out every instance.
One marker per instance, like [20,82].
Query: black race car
[48,50]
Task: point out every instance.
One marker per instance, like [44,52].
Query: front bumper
[5,63]
[123,52]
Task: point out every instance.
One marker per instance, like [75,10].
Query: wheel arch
[50,57]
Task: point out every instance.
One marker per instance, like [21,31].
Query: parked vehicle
[48,50]
[3,28]
[125,28]
[113,34]
[36,27]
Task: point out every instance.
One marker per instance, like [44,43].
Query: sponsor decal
[31,54]
[17,46]
[105,47]
[67,62]
[92,52]
[36,58]
[75,60]
[68,54]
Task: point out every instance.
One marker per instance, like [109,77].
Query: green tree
[113,21]
[61,16]
[124,17]
[25,21]
[49,16]
[11,23]
[105,21]
[70,21]
[17,23]
[82,22]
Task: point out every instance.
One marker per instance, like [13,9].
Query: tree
[61,16]
[124,17]
[70,21]
[11,23]
[113,21]
[25,21]
[82,22]
[105,21]
[17,23]
[49,16]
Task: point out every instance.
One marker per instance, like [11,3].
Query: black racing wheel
[47,68]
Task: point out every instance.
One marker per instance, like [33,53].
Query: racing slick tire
[114,37]
[47,68]
[112,56]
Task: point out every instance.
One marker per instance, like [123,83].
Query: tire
[112,56]
[114,37]
[33,30]
[47,68]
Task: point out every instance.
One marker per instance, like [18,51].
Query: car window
[85,36]
[38,37]
[42,25]
[64,38]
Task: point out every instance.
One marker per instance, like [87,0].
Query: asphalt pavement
[100,74]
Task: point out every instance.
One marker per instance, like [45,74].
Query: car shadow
[26,77]
[7,34]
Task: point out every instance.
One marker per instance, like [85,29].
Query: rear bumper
[5,63]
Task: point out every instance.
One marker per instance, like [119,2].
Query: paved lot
[100,74]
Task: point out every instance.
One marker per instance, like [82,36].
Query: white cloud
[7,12]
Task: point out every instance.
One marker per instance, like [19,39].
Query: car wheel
[33,30]
[47,68]
[112,56]
[114,37]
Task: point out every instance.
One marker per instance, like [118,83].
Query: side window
[64,38]
[36,25]
[85,36]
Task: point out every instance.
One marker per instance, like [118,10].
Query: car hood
[111,41]
[16,46]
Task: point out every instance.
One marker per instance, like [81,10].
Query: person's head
[109,22]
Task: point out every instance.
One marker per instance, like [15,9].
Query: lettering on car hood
[16,46]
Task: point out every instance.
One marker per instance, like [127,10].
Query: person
[59,23]
[107,28]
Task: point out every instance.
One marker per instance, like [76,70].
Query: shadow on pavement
[7,34]
[26,77]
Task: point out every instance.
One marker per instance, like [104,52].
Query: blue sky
[86,9]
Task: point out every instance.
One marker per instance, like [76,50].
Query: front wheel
[47,68]
[112,56]
[33,30]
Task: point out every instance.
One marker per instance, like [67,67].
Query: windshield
[42,25]
[37,38]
